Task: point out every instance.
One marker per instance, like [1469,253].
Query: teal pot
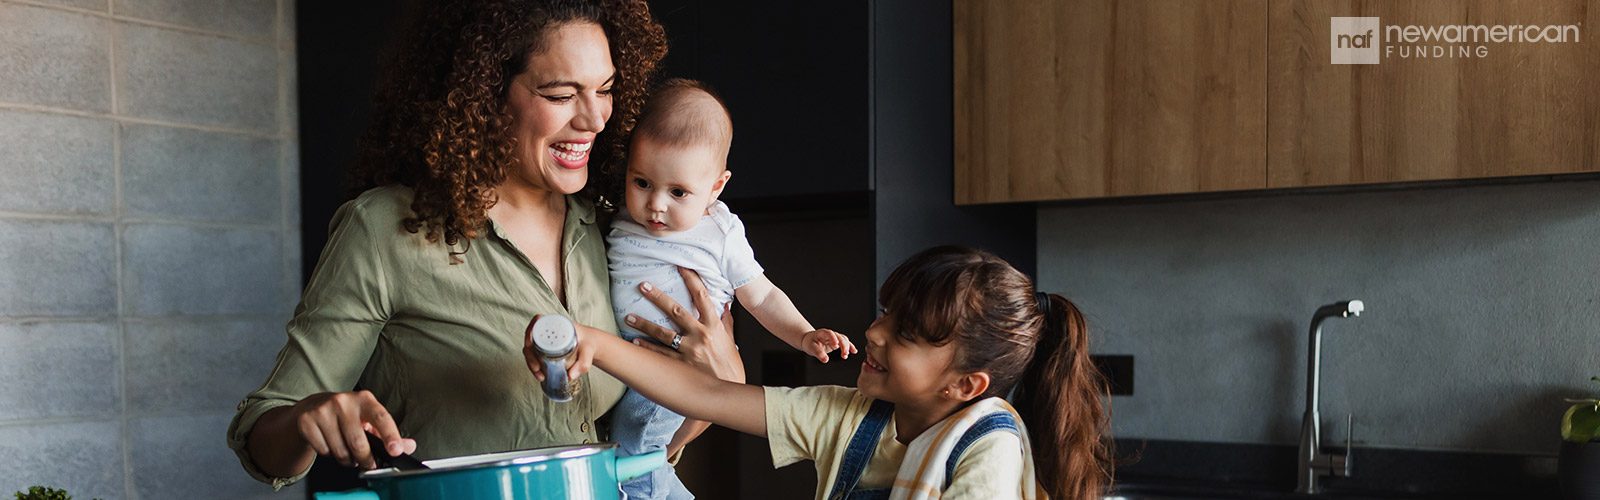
[558,473]
[1579,470]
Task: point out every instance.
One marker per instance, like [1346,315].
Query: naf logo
[1355,40]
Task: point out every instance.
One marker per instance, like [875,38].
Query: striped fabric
[922,472]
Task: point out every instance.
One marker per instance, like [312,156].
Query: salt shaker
[555,339]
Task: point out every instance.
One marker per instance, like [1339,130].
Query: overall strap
[860,449]
[989,423]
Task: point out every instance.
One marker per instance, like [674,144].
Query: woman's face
[559,105]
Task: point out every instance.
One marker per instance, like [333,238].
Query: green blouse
[439,344]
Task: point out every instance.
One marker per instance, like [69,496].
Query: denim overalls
[865,441]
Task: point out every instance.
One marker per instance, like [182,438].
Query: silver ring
[677,340]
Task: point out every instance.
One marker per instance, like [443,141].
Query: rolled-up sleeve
[333,333]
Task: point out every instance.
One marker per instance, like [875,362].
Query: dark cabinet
[795,78]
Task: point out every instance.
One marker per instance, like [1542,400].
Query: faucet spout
[1313,462]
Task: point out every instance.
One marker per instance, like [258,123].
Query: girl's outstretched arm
[677,386]
[693,389]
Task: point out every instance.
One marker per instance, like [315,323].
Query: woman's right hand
[337,423]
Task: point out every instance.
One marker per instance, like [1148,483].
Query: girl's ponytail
[1059,396]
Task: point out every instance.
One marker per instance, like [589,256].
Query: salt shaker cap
[553,335]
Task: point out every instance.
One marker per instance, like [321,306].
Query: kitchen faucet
[1313,462]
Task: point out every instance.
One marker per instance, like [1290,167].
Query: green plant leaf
[43,493]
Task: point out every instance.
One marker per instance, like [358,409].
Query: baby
[677,166]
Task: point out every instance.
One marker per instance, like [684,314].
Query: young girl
[961,330]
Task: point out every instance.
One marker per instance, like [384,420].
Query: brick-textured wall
[149,238]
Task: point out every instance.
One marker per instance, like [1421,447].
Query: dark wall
[912,145]
[337,55]
[338,46]
[794,77]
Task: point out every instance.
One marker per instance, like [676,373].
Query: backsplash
[1481,311]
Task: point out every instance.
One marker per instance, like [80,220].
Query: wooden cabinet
[1099,98]
[1504,110]
[1063,100]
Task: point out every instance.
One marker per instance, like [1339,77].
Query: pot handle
[639,465]
[346,495]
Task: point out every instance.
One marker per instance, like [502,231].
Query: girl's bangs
[928,293]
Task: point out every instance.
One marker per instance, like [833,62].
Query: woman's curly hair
[440,124]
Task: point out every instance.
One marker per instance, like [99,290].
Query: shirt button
[585,441]
[584,427]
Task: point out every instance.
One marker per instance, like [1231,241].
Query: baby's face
[670,187]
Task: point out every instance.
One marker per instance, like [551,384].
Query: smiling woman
[559,103]
[496,126]
[455,105]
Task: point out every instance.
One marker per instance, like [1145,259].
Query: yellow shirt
[439,345]
[816,423]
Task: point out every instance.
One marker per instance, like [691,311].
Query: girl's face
[902,371]
[559,105]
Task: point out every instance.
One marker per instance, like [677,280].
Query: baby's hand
[820,342]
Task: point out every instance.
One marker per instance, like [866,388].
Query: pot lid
[520,457]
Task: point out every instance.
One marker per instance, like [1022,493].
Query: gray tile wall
[1481,311]
[84,458]
[149,239]
[195,78]
[55,58]
[56,164]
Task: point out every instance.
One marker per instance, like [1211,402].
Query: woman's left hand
[707,342]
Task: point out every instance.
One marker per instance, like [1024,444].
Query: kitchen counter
[1223,492]
[1201,471]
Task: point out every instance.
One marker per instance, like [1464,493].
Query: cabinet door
[1511,109]
[1093,98]
[794,76]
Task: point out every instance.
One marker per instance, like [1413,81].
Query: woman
[480,216]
